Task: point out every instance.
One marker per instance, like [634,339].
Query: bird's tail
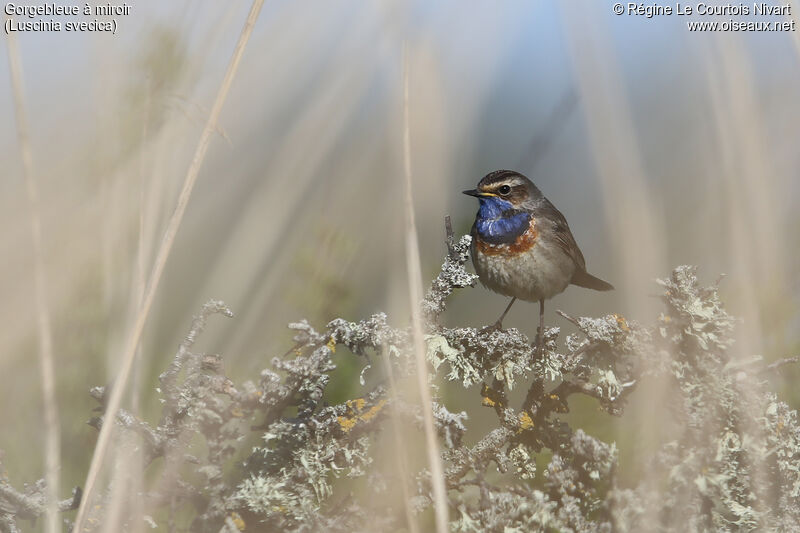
[584,279]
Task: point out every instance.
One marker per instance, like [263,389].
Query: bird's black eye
[505,189]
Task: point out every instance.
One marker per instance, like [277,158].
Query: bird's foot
[539,343]
[497,326]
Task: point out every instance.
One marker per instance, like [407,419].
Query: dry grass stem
[415,293]
[400,456]
[44,327]
[132,342]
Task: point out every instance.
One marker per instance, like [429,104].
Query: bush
[734,466]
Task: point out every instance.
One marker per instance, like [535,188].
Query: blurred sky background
[661,147]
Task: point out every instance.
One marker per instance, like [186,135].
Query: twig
[780,363]
[479,455]
[132,343]
[568,387]
[153,441]
[535,391]
[31,506]
[169,376]
[571,319]
[415,293]
[450,238]
[51,418]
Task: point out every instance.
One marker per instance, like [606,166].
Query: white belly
[535,274]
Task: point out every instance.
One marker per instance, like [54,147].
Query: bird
[522,246]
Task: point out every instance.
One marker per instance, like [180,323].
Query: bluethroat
[522,246]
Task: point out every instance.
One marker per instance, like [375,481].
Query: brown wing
[552,219]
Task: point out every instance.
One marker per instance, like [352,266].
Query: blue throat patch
[498,222]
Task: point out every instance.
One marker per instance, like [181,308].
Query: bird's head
[504,189]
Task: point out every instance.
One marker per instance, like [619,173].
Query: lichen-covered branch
[315,464]
[28,505]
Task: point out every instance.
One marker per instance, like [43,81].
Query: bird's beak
[478,194]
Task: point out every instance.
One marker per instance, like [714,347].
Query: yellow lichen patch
[554,397]
[237,521]
[332,345]
[374,410]
[356,405]
[93,519]
[621,322]
[525,421]
[487,400]
[237,412]
[666,318]
[346,423]
[356,409]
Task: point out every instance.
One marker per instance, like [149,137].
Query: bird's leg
[499,324]
[541,328]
